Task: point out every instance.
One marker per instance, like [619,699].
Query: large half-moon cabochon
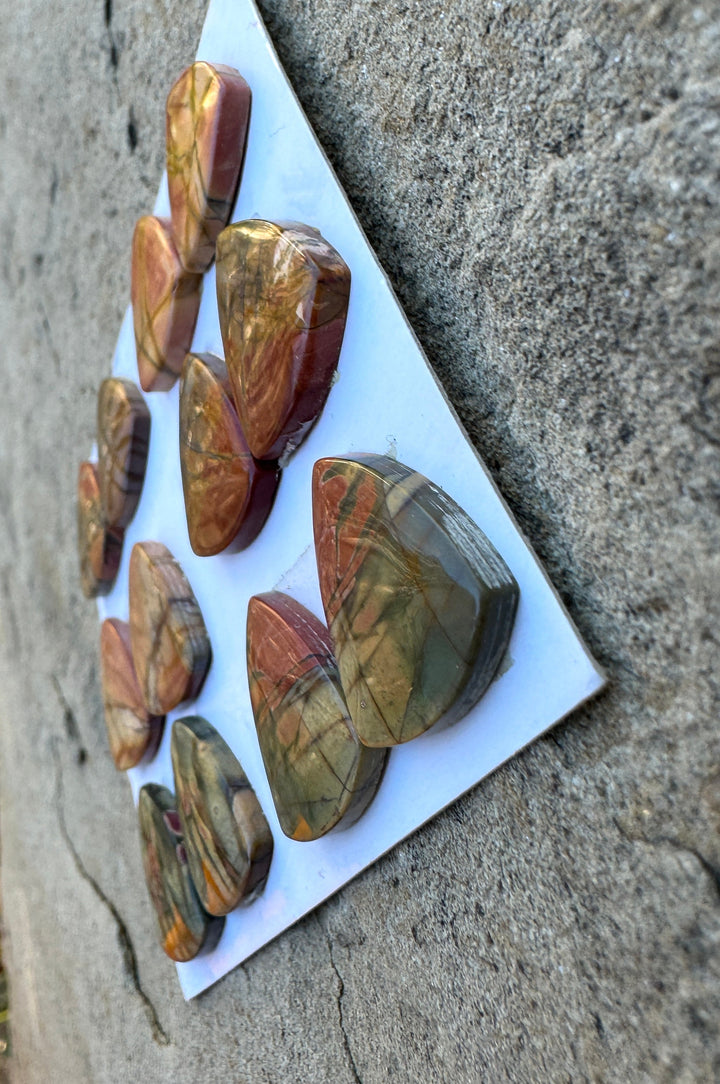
[419,603]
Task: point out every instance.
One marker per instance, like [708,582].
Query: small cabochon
[133,732]
[123,431]
[99,546]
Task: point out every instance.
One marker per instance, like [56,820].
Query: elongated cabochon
[319,772]
[99,546]
[133,732]
[419,603]
[123,430]
[186,929]
[227,838]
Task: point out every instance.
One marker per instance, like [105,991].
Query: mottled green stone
[419,603]
[319,773]
[227,839]
[186,929]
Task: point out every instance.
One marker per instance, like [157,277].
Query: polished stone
[228,494]
[419,603]
[282,296]
[99,546]
[186,929]
[170,645]
[133,733]
[165,301]
[319,773]
[123,423]
[227,839]
[207,118]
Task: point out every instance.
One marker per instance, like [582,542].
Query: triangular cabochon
[385,399]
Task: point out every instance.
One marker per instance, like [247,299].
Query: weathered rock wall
[541,183]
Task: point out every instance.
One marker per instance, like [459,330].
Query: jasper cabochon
[228,494]
[186,929]
[123,430]
[283,295]
[419,603]
[319,773]
[207,118]
[133,732]
[227,839]
[99,546]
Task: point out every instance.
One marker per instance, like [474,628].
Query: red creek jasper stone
[133,733]
[419,603]
[99,546]
[319,773]
[207,118]
[123,422]
[170,645]
[228,494]
[228,842]
[282,297]
[186,929]
[165,302]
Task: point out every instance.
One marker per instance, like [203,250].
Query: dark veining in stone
[133,732]
[282,297]
[99,546]
[186,929]
[319,772]
[123,422]
[228,842]
[207,118]
[419,603]
[228,494]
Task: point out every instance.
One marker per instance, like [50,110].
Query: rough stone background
[541,182]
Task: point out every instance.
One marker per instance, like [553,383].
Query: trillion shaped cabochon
[123,422]
[228,494]
[227,839]
[419,603]
[282,296]
[207,117]
[170,645]
[319,773]
[133,733]
[99,546]
[186,929]
[165,303]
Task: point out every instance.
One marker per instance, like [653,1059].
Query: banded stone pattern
[228,842]
[207,119]
[419,603]
[170,644]
[283,295]
[123,427]
[319,773]
[165,302]
[186,929]
[99,546]
[228,494]
[133,732]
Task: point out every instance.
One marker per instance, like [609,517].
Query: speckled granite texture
[541,183]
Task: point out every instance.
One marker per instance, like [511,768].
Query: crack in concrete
[127,949]
[712,870]
[341,1015]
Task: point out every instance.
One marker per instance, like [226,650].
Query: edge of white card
[386,399]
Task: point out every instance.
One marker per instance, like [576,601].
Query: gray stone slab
[541,183]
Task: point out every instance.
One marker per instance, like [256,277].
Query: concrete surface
[541,183]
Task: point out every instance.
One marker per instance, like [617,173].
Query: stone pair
[420,608]
[109,491]
[205,849]
[156,661]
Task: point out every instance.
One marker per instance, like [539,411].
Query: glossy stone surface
[282,296]
[133,733]
[186,929]
[419,603]
[207,117]
[170,645]
[319,773]
[123,423]
[227,839]
[228,494]
[165,301]
[99,546]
